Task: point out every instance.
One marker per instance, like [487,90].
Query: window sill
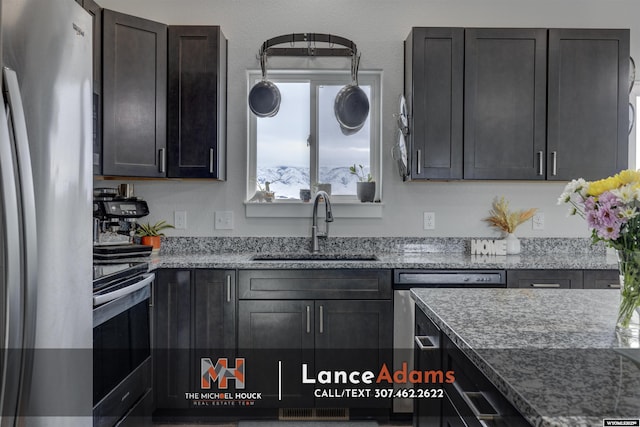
[299,209]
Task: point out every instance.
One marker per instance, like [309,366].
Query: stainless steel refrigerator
[45,214]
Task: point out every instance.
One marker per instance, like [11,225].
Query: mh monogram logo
[221,372]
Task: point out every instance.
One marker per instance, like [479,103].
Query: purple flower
[604,215]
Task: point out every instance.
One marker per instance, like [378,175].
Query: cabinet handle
[489,411]
[228,288]
[545,285]
[163,160]
[554,163]
[151,298]
[419,165]
[321,320]
[210,160]
[540,163]
[425,343]
[308,319]
[613,285]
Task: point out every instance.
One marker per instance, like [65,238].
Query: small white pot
[513,244]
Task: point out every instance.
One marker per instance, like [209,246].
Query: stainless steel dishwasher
[404,311]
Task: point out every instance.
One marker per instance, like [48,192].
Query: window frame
[371,78]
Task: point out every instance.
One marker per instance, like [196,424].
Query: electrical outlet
[180,220]
[537,222]
[224,220]
[429,220]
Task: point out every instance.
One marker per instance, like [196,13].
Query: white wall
[379,28]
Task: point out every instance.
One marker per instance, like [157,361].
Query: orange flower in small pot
[150,234]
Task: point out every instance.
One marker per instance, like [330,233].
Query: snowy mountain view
[286,181]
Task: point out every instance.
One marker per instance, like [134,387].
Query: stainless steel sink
[314,257]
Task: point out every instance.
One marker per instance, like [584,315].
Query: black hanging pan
[264,96]
[351,105]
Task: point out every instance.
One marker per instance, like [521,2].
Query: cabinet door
[196,102]
[96,15]
[427,356]
[277,331]
[505,101]
[433,88]
[588,103]
[172,331]
[214,308]
[601,279]
[214,332]
[134,96]
[545,279]
[354,335]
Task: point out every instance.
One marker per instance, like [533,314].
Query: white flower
[626,194]
[579,186]
[629,212]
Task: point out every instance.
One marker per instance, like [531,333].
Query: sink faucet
[328,217]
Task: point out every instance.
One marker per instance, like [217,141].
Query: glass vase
[628,324]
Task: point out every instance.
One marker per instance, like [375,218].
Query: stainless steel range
[122,383]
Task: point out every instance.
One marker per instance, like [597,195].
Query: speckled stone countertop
[453,260]
[553,353]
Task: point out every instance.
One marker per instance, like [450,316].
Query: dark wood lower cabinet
[470,398]
[194,319]
[545,279]
[172,333]
[322,333]
[601,279]
[272,333]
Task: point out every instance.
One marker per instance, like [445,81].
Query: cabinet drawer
[601,279]
[472,397]
[544,279]
[314,284]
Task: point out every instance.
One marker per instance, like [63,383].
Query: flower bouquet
[611,207]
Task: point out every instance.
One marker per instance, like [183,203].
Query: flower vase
[513,244]
[628,323]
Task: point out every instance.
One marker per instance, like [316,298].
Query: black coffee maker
[114,223]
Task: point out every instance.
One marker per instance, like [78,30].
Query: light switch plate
[429,220]
[537,222]
[224,220]
[180,220]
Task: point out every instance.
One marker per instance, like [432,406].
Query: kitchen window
[303,146]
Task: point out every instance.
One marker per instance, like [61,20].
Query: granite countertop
[553,353]
[417,260]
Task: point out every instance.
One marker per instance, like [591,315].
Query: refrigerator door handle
[13,311]
[27,218]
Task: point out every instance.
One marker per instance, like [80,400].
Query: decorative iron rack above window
[311,39]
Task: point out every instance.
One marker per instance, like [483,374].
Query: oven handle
[101,299]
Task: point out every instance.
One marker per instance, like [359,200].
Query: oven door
[122,351]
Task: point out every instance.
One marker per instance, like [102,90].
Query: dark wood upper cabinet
[134,96]
[96,17]
[520,103]
[196,102]
[588,103]
[434,70]
[505,103]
